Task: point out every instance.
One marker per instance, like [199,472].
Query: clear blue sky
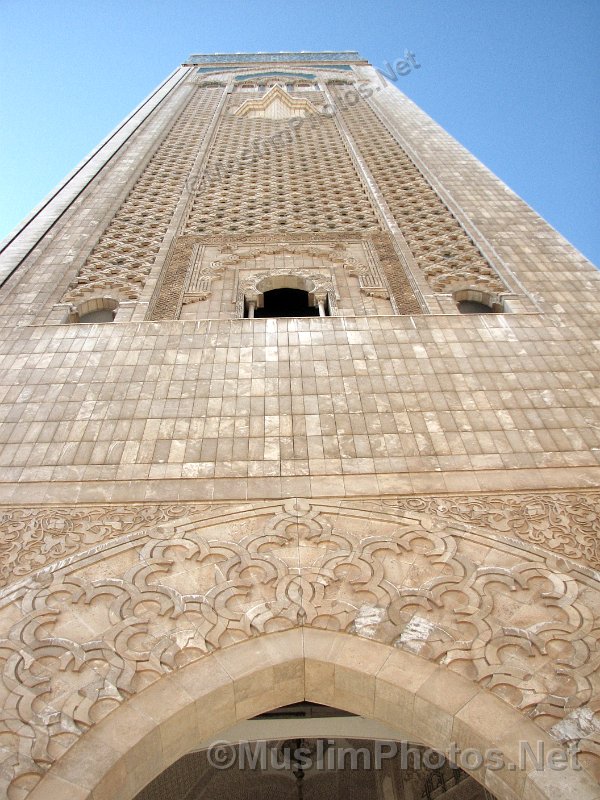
[515,81]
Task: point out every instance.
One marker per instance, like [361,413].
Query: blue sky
[514,81]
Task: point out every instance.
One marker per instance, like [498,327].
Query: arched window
[286,303]
[99,309]
[473,307]
[475,301]
[286,296]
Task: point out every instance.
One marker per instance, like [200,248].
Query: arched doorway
[190,707]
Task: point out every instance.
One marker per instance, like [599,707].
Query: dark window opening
[473,307]
[286,303]
[101,315]
[304,710]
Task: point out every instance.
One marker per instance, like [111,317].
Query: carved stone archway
[152,730]
[319,288]
[130,609]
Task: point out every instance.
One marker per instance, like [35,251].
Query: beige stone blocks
[331,406]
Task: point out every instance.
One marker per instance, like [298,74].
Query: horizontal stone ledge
[319,485]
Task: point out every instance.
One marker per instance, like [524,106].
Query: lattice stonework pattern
[78,640]
[267,175]
[442,249]
[123,257]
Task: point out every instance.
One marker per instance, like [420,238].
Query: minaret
[299,405]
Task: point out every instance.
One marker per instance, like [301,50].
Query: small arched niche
[476,301]
[97,309]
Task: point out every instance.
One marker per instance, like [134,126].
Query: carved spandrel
[514,619]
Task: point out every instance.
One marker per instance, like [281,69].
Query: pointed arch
[433,706]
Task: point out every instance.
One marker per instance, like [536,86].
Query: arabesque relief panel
[154,589]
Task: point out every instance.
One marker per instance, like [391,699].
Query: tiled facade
[234,178]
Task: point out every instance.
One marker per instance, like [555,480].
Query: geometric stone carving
[168,294]
[188,278]
[184,262]
[275,104]
[81,637]
[200,277]
[31,538]
[565,523]
[122,258]
[279,176]
[371,282]
[441,247]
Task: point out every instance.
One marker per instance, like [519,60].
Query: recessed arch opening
[188,709]
[97,309]
[476,301]
[286,302]
[309,751]
[286,295]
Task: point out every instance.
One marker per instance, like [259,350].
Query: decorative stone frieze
[122,259]
[567,523]
[269,176]
[83,636]
[564,523]
[442,249]
[255,285]
[275,104]
[189,276]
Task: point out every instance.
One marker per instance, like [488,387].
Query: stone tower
[298,408]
